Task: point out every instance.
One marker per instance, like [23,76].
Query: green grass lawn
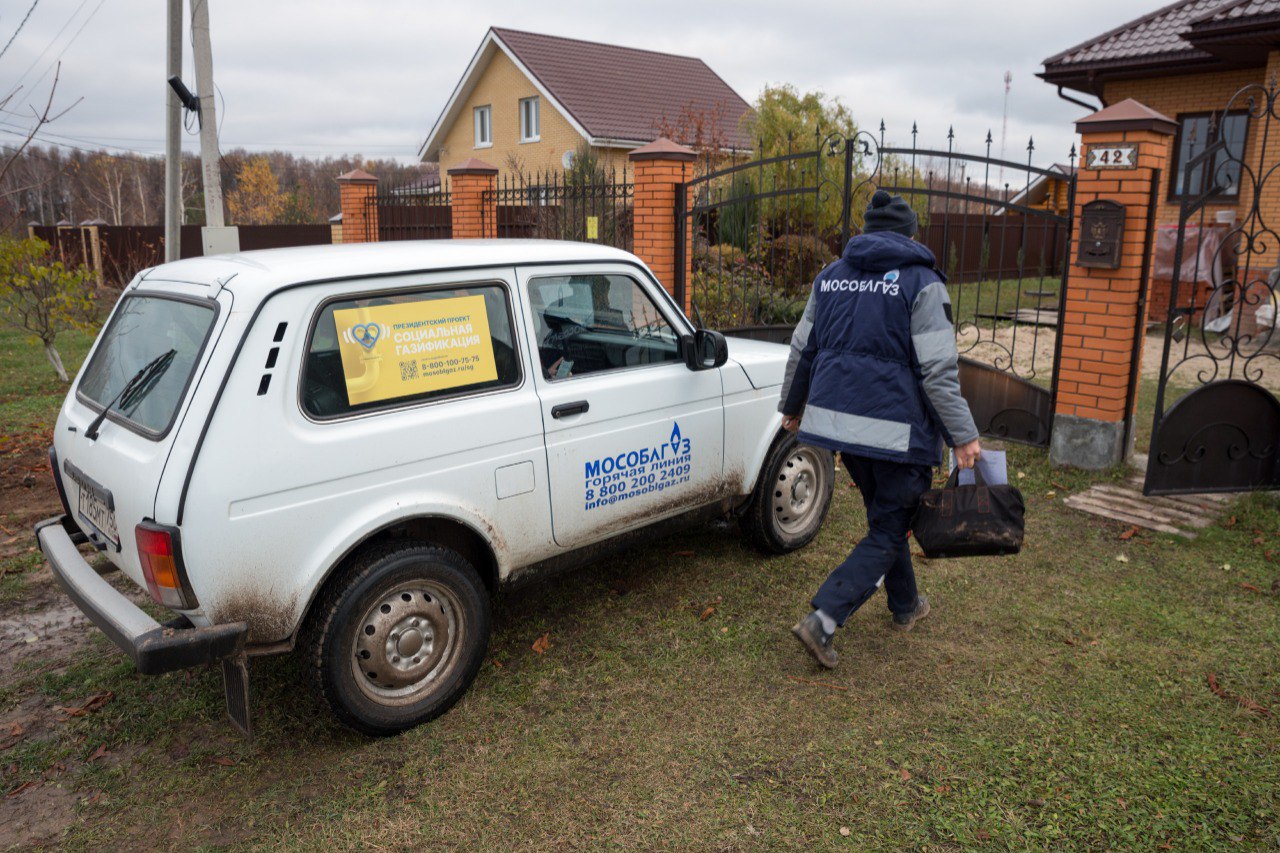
[1056,698]
[1059,698]
[30,392]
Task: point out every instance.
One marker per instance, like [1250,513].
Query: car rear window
[395,349]
[143,329]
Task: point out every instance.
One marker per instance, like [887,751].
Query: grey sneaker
[907,621]
[810,634]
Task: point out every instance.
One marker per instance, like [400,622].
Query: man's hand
[968,454]
[791,423]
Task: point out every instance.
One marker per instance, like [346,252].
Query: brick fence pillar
[660,167]
[1102,334]
[474,210]
[356,190]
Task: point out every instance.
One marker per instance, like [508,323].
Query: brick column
[1102,334]
[660,167]
[356,190]
[475,212]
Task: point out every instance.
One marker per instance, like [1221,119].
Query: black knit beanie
[889,213]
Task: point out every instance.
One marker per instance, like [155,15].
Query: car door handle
[575,408]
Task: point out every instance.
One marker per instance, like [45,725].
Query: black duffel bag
[969,521]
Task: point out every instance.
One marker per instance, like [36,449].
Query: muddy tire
[792,497]
[398,637]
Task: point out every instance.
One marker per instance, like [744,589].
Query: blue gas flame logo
[891,276]
[675,437]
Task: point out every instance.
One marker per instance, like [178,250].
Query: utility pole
[173,140]
[217,238]
[1004,127]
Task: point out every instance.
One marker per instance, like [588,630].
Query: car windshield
[144,328]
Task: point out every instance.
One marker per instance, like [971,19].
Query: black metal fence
[1221,433]
[591,207]
[410,212]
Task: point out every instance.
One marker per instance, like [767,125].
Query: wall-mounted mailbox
[1101,234]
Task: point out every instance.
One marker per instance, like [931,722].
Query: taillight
[160,552]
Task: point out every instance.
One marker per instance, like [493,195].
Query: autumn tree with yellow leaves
[256,199]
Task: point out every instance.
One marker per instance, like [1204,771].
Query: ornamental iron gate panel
[1001,231]
[1221,358]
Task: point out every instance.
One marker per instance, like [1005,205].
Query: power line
[50,45]
[34,3]
[67,46]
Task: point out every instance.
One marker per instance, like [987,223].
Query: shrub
[42,296]
[796,260]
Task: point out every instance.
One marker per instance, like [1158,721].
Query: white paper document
[994,468]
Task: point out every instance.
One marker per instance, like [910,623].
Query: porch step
[1178,515]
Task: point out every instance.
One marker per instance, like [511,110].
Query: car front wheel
[791,498]
[399,637]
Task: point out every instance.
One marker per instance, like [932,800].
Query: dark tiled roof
[1158,35]
[1246,9]
[624,93]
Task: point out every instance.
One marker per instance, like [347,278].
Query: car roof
[258,274]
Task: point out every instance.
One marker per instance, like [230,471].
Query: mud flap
[235,684]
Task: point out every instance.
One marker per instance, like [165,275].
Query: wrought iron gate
[1221,358]
[1000,229]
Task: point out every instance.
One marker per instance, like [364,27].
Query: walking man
[873,375]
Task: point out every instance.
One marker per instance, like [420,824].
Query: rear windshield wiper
[135,389]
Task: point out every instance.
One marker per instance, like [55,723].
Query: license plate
[96,506]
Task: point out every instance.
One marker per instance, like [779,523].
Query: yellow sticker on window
[409,348]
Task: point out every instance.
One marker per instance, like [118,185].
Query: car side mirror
[705,349]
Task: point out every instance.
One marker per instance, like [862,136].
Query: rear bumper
[154,648]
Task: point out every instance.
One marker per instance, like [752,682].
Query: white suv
[349,449]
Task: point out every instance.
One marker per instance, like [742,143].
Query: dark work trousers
[891,492]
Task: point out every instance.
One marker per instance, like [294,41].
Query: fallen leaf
[222,762]
[982,835]
[1022,474]
[93,703]
[1122,803]
[100,752]
[1069,641]
[1122,558]
[541,644]
[1130,533]
[1050,494]
[16,730]
[1057,485]
[1251,588]
[706,614]
[846,831]
[25,786]
[1243,701]
[1258,540]
[1230,522]
[724,630]
[904,774]
[499,664]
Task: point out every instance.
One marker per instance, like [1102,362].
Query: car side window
[591,323]
[394,349]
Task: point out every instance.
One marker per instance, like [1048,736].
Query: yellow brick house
[526,102]
[1187,61]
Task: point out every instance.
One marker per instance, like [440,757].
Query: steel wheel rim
[797,492]
[407,642]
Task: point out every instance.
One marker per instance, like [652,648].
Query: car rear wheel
[792,497]
[399,637]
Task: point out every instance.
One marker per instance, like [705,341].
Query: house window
[484,126]
[1194,135]
[530,124]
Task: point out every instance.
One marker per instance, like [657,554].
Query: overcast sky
[336,76]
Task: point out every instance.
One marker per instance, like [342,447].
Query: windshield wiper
[135,389]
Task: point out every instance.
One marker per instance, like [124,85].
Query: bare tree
[39,118]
